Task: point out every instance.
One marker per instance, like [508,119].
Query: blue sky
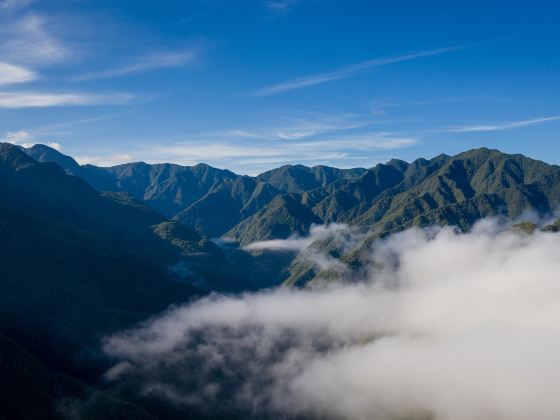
[253,84]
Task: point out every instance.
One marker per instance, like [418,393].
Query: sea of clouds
[449,325]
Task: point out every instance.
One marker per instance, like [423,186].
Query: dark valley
[87,251]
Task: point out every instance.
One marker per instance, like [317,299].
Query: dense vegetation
[85,250]
[446,189]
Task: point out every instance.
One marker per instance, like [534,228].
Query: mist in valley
[447,325]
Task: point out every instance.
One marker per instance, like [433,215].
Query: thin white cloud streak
[305,129]
[380,107]
[450,326]
[501,126]
[10,74]
[16,100]
[297,242]
[350,71]
[340,238]
[151,62]
[368,141]
[46,129]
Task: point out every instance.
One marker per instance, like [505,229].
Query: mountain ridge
[217,202]
[80,262]
[77,263]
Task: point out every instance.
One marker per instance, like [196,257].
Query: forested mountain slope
[446,189]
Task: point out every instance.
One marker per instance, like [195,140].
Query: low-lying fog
[450,326]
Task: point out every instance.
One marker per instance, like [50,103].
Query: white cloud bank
[451,326]
[25,138]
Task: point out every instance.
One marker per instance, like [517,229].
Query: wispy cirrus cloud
[383,106]
[10,74]
[350,71]
[44,134]
[14,4]
[280,6]
[299,128]
[15,100]
[502,126]
[254,157]
[346,140]
[305,128]
[369,141]
[55,127]
[32,40]
[149,62]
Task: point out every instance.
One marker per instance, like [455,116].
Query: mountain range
[87,250]
[387,197]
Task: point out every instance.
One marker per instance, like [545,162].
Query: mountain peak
[43,153]
[14,156]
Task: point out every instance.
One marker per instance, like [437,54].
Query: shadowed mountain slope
[226,205]
[29,390]
[77,263]
[446,189]
[165,187]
